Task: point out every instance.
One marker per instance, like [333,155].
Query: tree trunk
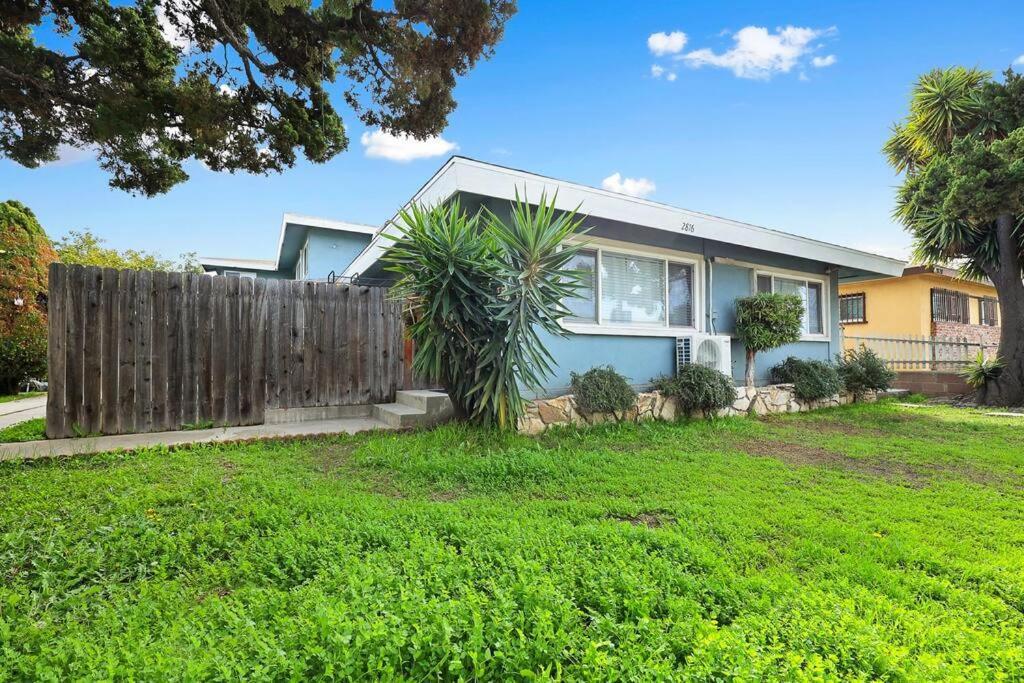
[750,367]
[1008,388]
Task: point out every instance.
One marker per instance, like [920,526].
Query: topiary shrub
[602,390]
[767,321]
[811,379]
[696,387]
[862,370]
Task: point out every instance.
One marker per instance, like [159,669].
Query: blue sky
[739,123]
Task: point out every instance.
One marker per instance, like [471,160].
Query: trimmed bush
[862,370]
[602,390]
[696,387]
[767,321]
[811,379]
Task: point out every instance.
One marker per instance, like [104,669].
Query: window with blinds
[628,290]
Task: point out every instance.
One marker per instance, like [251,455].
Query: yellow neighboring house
[925,301]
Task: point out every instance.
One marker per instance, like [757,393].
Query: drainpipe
[709,261]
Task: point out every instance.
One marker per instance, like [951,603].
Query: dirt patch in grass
[802,455]
[651,520]
[447,496]
[230,469]
[334,459]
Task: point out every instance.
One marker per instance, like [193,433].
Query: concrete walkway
[23,409]
[30,450]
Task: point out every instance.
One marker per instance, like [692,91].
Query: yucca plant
[981,371]
[479,292]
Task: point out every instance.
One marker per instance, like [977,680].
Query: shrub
[862,370]
[480,291]
[696,387]
[22,355]
[767,321]
[602,390]
[25,255]
[811,379]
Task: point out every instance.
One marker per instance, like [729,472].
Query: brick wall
[985,334]
[932,383]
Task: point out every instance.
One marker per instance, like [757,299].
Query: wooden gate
[139,351]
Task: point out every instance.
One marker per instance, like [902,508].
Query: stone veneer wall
[776,398]
[976,334]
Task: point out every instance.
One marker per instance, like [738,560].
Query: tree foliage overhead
[481,291]
[961,150]
[86,249]
[237,84]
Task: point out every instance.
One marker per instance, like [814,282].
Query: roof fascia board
[442,185]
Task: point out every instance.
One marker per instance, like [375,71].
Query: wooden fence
[922,352]
[138,351]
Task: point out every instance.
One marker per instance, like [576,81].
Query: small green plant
[200,424]
[698,388]
[980,371]
[767,321]
[862,370]
[603,390]
[811,379]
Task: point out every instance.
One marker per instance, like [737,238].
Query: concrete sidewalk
[23,409]
[30,450]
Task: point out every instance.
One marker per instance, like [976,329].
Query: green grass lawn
[29,430]
[868,542]
[7,398]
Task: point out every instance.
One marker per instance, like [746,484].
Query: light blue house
[664,281]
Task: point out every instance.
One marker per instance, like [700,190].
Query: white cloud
[657,71]
[171,33]
[821,62]
[634,187]
[402,147]
[68,155]
[759,53]
[1019,60]
[666,43]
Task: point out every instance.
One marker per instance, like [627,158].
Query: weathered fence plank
[137,351]
[57,306]
[109,371]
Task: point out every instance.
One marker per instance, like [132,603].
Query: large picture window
[634,291]
[811,293]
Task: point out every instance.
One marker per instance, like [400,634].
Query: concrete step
[398,415]
[435,404]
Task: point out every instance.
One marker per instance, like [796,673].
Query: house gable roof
[294,226]
[462,174]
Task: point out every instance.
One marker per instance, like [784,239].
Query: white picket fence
[922,352]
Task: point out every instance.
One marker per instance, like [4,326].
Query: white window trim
[239,273]
[601,245]
[302,263]
[826,296]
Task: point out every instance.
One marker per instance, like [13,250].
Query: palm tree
[961,151]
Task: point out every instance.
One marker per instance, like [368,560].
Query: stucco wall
[267,274]
[332,250]
[902,306]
